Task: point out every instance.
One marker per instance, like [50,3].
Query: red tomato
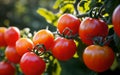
[6,68]
[2,39]
[31,64]
[23,45]
[12,54]
[68,21]
[91,28]
[63,49]
[98,58]
[116,20]
[44,37]
[12,34]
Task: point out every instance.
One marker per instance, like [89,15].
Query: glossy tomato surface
[68,21]
[63,49]
[6,68]
[116,20]
[98,58]
[31,64]
[44,37]
[12,55]
[91,28]
[12,34]
[2,39]
[24,45]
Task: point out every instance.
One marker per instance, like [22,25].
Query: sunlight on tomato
[6,68]
[31,64]
[12,34]
[116,20]
[2,39]
[24,45]
[44,37]
[98,58]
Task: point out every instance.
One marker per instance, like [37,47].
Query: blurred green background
[39,14]
[22,13]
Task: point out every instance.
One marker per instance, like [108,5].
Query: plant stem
[76,6]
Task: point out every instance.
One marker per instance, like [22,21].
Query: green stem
[76,6]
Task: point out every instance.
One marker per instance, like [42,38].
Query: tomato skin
[91,28]
[12,34]
[23,45]
[63,49]
[98,58]
[2,39]
[31,64]
[44,37]
[12,54]
[116,20]
[69,21]
[6,68]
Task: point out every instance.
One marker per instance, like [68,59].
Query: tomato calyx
[102,41]
[67,35]
[41,51]
[93,13]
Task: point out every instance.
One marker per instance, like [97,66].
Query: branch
[76,6]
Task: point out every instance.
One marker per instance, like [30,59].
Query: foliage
[43,17]
[68,6]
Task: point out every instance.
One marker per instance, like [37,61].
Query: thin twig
[76,6]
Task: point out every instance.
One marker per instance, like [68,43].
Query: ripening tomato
[6,68]
[68,21]
[91,28]
[116,20]
[2,39]
[12,54]
[23,45]
[31,64]
[98,58]
[44,37]
[12,34]
[63,49]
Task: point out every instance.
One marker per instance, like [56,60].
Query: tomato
[98,58]
[12,34]
[63,49]
[116,20]
[31,64]
[2,39]
[68,21]
[6,68]
[44,37]
[91,28]
[23,45]
[12,54]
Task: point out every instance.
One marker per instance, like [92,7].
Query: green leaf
[80,48]
[48,15]
[57,3]
[67,8]
[117,42]
[74,67]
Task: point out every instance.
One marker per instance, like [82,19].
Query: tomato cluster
[29,53]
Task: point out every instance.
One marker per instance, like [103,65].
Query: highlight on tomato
[12,55]
[31,64]
[44,37]
[12,34]
[6,68]
[98,58]
[68,22]
[63,49]
[116,20]
[24,45]
[2,39]
[91,28]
